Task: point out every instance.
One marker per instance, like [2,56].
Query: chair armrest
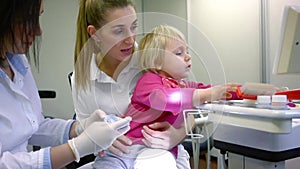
[47,94]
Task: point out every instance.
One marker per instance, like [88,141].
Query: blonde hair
[152,46]
[91,12]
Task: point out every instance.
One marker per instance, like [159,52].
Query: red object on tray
[242,95]
[290,94]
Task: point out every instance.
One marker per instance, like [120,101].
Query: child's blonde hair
[152,46]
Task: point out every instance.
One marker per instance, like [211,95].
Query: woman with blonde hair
[106,73]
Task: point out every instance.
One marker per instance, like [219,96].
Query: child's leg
[112,161]
[151,158]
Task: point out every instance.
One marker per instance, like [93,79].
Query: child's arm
[217,92]
[196,85]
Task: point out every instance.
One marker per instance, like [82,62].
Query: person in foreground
[161,94]
[21,120]
[106,73]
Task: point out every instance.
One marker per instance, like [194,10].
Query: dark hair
[14,13]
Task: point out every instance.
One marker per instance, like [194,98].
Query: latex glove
[97,115]
[98,136]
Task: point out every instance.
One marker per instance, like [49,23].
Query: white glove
[97,115]
[98,136]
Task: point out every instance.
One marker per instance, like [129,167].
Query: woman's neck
[112,67]
[5,66]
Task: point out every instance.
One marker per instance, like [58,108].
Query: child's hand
[231,92]
[216,93]
[213,93]
[226,91]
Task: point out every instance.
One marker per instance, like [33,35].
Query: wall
[232,27]
[157,12]
[58,23]
[56,55]
[276,11]
[223,35]
[223,39]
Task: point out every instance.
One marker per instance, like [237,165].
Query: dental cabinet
[253,137]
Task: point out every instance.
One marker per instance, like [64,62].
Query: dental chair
[83,160]
[198,141]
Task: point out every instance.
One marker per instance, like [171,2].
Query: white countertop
[268,120]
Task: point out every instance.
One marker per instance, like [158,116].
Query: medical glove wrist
[98,136]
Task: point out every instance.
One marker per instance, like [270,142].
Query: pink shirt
[157,99]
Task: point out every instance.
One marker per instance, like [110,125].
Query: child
[161,94]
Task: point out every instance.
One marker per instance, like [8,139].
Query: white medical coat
[22,121]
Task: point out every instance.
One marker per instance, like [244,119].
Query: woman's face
[24,39]
[117,36]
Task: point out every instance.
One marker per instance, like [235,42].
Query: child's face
[177,62]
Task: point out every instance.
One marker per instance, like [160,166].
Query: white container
[279,102]
[263,102]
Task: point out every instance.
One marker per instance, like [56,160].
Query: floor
[203,164]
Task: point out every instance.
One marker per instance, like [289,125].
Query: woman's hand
[162,135]
[119,146]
